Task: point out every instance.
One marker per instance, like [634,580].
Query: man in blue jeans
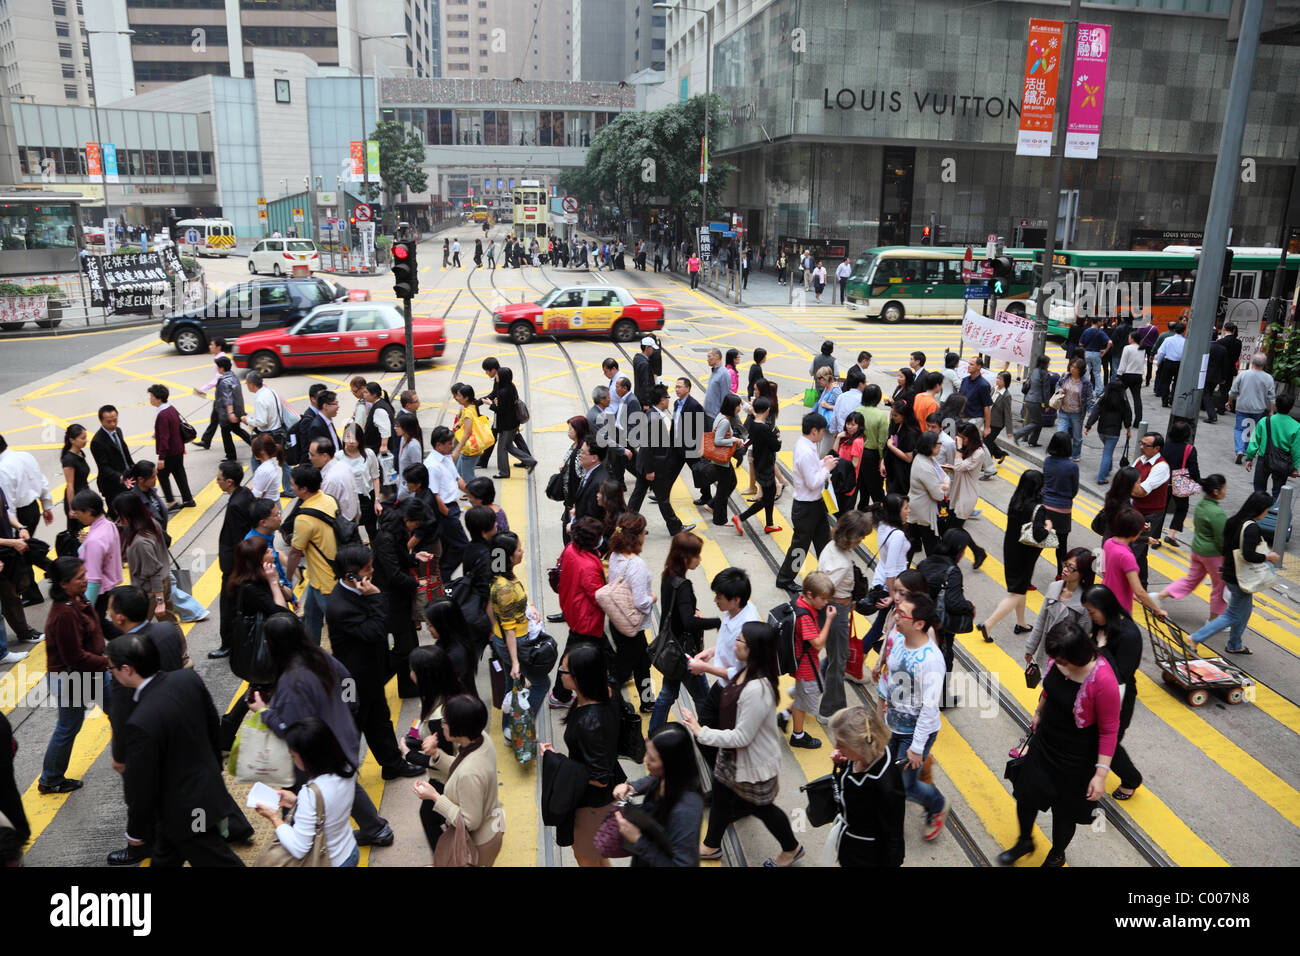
[1096,346]
[910,692]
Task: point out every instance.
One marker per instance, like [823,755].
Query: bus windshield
[862,268]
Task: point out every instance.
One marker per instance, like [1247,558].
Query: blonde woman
[869,791]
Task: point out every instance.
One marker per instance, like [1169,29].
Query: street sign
[363,212]
[705,245]
[327,226]
[986,270]
[976,290]
[298,215]
[261,200]
[570,204]
[192,236]
[967,263]
[992,249]
[571,218]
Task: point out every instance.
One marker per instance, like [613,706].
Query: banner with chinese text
[1087,91]
[1038,97]
[1006,337]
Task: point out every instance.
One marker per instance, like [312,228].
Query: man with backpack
[313,537]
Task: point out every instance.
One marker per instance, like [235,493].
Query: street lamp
[708,95]
[365,150]
[94,106]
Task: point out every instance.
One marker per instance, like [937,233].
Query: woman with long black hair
[749,748]
[570,479]
[310,683]
[76,470]
[673,801]
[450,631]
[1018,559]
[146,553]
[509,439]
[1118,640]
[410,448]
[904,433]
[1240,533]
[726,434]
[682,620]
[434,673]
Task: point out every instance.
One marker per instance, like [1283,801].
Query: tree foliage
[643,155]
[401,161]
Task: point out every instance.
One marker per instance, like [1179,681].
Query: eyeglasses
[561,672]
[741,640]
[900,616]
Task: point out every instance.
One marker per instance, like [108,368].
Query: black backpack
[345,530]
[783,619]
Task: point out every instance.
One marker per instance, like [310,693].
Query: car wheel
[393,358]
[275,269]
[266,364]
[252,269]
[190,341]
[892,312]
[521,333]
[625,330]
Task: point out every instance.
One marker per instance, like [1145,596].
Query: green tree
[644,155]
[401,163]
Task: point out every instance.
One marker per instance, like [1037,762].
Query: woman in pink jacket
[1075,731]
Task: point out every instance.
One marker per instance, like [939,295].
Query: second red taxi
[580,310]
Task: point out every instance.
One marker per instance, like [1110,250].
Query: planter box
[17,310]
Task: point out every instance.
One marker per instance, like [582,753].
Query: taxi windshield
[547,299]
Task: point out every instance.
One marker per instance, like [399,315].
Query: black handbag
[66,543]
[1123,459]
[631,744]
[555,486]
[1033,675]
[1276,460]
[1016,760]
[538,655]
[823,799]
[250,659]
[666,653]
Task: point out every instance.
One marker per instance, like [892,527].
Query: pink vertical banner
[1087,91]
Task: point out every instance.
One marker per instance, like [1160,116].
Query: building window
[65,50]
[68,72]
[458,51]
[457,17]
[171,35]
[482,52]
[70,92]
[206,159]
[60,8]
[656,44]
[482,69]
[292,36]
[282,91]
[61,29]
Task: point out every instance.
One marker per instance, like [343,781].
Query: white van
[279,256]
[216,236]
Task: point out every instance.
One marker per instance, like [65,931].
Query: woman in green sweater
[1207,547]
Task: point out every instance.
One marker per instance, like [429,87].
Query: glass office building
[869,122]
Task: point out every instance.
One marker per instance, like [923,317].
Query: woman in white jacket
[316,751]
[749,748]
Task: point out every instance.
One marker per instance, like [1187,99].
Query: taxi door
[565,313]
[602,310]
[317,342]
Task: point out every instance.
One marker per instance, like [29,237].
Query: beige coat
[926,491]
[964,493]
[472,792]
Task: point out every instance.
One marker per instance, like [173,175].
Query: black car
[247,307]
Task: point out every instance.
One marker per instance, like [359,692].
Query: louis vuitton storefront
[877,120]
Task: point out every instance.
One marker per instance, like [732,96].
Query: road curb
[78,330]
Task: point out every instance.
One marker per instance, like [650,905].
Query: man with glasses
[322,424]
[1150,495]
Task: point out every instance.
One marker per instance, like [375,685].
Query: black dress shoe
[703,501]
[1054,859]
[1007,857]
[66,785]
[129,855]
[688,527]
[383,839]
[555,618]
[403,769]
[218,653]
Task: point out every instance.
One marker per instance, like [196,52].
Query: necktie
[117,437]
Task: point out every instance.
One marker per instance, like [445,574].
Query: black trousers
[1166,376]
[1177,508]
[708,717]
[226,609]
[366,504]
[990,442]
[1063,825]
[977,553]
[726,476]
[375,720]
[662,486]
[922,537]
[728,807]
[1134,382]
[211,430]
[1129,775]
[174,465]
[228,429]
[405,639]
[632,659]
[811,526]
[29,515]
[12,601]
[766,502]
[870,485]
[208,848]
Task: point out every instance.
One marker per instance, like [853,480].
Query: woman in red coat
[581,575]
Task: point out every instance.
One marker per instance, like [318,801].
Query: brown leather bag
[318,855]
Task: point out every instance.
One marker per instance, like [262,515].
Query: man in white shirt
[25,488]
[842,273]
[1168,358]
[731,593]
[1150,495]
[610,369]
[445,488]
[267,417]
[335,478]
[808,514]
[216,348]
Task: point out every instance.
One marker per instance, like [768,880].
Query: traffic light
[926,236]
[406,282]
[1227,270]
[1003,269]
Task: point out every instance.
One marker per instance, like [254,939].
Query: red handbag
[853,667]
[608,839]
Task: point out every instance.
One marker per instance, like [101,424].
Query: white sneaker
[13,657]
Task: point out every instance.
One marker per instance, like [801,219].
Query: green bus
[925,282]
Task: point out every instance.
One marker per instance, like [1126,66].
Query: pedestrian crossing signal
[997,287]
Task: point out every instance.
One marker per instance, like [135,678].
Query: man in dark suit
[357,614]
[1214,371]
[625,426]
[112,457]
[657,462]
[642,377]
[688,433]
[1231,358]
[592,474]
[238,522]
[175,796]
[322,423]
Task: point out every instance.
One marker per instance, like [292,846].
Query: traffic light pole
[1205,292]
[410,344]
[1058,171]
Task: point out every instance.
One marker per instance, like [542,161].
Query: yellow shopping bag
[481,437]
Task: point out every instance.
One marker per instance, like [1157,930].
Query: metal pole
[103,168]
[1205,292]
[365,152]
[708,95]
[410,344]
[1276,310]
[1058,170]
